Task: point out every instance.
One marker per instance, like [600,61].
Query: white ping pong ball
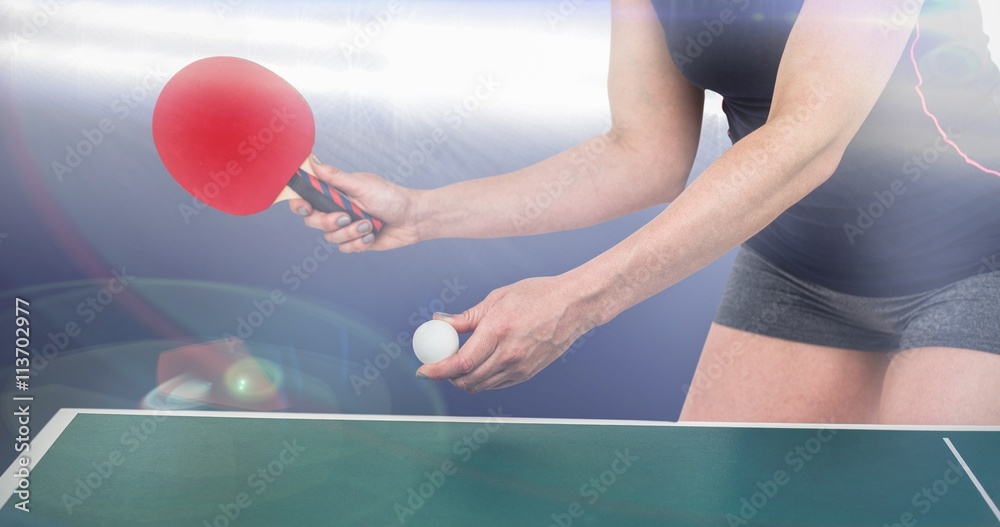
[435,341]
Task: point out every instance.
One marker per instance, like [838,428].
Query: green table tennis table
[222,469]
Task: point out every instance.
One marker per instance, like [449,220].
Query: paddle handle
[325,198]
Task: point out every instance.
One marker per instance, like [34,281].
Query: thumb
[469,320]
[343,181]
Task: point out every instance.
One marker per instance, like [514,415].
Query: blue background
[65,236]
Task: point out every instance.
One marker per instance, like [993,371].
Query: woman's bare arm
[835,66]
[645,159]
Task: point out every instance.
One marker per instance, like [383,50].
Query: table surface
[221,469]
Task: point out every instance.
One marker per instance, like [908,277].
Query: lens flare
[253,380]
[937,123]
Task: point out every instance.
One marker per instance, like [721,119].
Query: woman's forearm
[740,194]
[600,179]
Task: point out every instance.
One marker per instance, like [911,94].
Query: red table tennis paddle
[234,134]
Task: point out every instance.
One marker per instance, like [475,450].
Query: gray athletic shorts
[761,298]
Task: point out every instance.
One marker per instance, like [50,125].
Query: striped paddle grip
[325,198]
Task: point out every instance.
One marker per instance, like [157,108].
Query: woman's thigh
[946,386]
[746,377]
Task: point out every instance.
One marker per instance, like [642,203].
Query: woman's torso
[907,210]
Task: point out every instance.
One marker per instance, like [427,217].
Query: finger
[358,245]
[504,364]
[496,382]
[469,320]
[331,222]
[355,231]
[506,384]
[346,182]
[490,373]
[300,207]
[476,350]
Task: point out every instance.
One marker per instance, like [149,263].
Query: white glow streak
[991,24]
[155,23]
[536,69]
[92,59]
[18,6]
